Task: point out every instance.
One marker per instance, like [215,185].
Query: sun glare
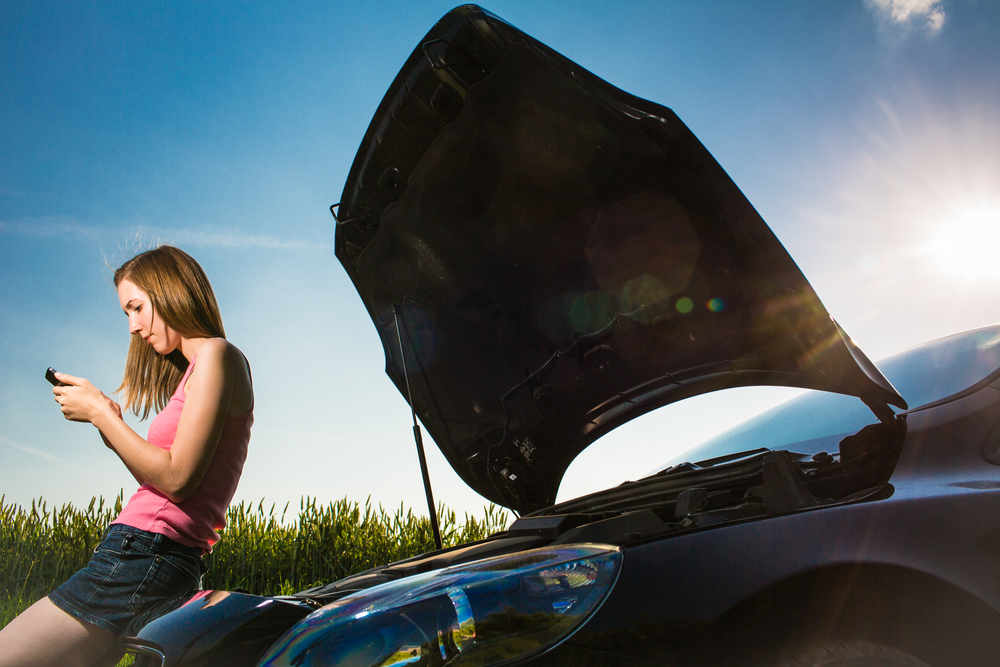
[967,243]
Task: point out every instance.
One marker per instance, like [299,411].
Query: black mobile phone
[50,375]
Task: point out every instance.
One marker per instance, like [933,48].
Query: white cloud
[234,239]
[31,450]
[929,14]
[50,226]
[143,238]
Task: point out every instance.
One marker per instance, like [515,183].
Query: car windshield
[817,421]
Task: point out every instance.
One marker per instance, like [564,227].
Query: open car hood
[555,257]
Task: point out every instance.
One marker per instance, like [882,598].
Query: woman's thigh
[45,636]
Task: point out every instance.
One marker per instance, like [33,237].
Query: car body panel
[561,257]
[217,628]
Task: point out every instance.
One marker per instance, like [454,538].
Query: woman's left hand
[79,400]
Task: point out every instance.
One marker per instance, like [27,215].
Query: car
[546,257]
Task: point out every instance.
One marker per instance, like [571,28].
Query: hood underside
[546,257]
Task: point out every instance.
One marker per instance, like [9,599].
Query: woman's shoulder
[222,351]
[220,356]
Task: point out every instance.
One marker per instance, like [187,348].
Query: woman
[149,561]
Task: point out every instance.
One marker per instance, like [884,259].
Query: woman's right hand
[81,401]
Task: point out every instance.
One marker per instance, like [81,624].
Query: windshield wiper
[707,463]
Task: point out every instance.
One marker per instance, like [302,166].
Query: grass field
[262,550]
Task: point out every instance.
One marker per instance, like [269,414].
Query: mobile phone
[50,375]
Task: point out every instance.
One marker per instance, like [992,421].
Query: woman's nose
[133,325]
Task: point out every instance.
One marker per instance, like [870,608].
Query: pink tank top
[194,521]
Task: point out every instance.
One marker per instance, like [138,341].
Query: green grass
[261,550]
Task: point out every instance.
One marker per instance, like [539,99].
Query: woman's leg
[46,636]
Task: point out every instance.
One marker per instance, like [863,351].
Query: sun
[967,243]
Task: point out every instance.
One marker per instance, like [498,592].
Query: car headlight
[477,614]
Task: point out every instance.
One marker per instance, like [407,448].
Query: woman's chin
[159,348]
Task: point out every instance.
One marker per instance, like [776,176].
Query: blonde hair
[180,294]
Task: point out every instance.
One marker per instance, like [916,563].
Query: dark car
[546,257]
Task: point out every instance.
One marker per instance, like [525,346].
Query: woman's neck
[189,347]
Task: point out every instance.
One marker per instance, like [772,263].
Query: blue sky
[866,133]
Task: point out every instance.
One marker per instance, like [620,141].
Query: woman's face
[143,322]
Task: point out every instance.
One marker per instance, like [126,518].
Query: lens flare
[642,297]
[590,312]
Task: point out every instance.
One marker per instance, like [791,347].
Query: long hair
[180,295]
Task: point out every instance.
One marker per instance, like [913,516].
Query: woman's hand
[114,406]
[80,401]
[117,409]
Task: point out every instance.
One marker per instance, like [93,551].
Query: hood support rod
[416,434]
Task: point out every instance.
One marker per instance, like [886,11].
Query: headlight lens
[473,615]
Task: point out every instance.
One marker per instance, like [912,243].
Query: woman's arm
[118,411]
[176,472]
[107,443]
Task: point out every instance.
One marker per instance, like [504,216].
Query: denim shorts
[134,577]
